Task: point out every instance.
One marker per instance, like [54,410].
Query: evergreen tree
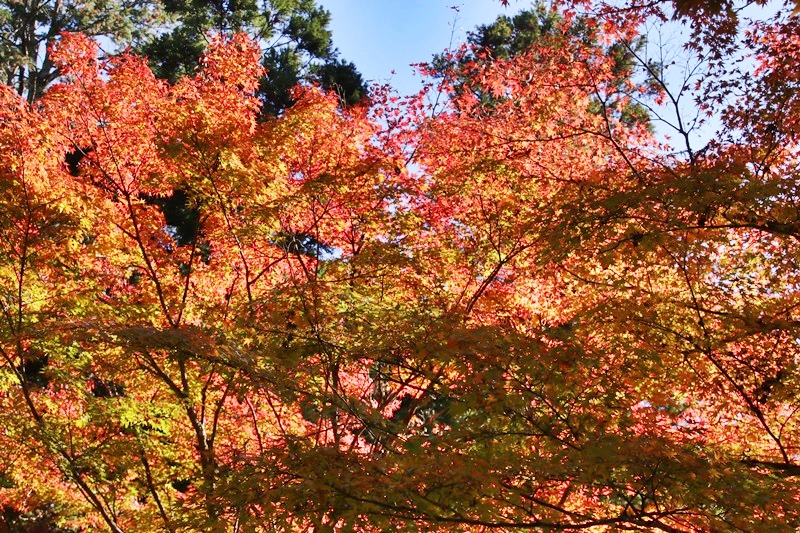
[27,28]
[294,34]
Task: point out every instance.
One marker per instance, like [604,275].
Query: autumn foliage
[530,315]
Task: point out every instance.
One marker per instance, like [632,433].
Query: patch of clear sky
[384,37]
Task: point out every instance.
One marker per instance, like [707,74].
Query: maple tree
[508,36]
[397,317]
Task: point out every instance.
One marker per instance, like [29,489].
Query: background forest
[240,290]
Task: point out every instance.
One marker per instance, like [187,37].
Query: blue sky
[381,36]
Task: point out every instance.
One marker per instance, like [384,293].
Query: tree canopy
[523,314]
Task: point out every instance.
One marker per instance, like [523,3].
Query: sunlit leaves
[392,317]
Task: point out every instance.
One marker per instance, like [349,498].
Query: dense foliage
[395,317]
